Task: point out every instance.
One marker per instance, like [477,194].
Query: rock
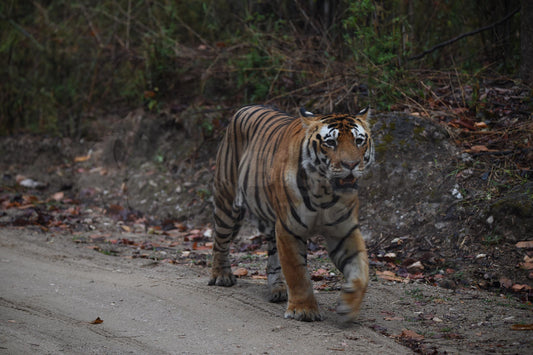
[441,225]
[32,184]
[208,233]
[396,241]
[447,283]
[457,194]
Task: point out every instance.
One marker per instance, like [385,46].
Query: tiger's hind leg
[349,255]
[276,281]
[228,221]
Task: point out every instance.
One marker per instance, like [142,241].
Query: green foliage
[255,72]
[64,62]
[374,36]
[416,293]
[371,42]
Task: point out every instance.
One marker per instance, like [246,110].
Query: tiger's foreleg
[301,304]
[350,256]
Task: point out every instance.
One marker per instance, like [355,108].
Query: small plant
[492,239]
[203,193]
[255,72]
[416,294]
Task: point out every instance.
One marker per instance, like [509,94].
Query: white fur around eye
[329,133]
[358,134]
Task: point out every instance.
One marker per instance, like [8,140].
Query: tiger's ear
[364,113]
[305,113]
[307,117]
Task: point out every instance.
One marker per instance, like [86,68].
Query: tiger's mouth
[348,182]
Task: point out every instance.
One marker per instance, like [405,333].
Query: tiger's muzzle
[346,183]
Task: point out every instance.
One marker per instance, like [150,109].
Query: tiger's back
[255,140]
[298,177]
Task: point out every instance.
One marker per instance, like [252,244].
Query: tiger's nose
[349,164]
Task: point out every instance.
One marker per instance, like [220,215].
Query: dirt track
[53,288]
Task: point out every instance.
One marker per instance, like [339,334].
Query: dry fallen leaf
[522,327]
[240,272]
[196,246]
[527,244]
[526,266]
[505,282]
[410,335]
[416,266]
[478,149]
[58,196]
[97,321]
[81,159]
[520,288]
[390,276]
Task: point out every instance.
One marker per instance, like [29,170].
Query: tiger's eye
[359,141]
[330,142]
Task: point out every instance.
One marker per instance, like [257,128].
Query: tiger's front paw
[351,299]
[222,278]
[305,313]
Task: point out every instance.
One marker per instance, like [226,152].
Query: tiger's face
[338,147]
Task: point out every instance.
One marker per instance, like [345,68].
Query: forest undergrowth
[68,69]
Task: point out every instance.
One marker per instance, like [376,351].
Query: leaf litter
[119,230]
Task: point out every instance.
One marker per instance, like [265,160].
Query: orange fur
[298,177]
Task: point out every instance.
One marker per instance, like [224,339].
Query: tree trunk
[526,42]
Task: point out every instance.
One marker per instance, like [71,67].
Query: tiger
[298,176]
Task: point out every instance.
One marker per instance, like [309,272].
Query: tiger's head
[338,147]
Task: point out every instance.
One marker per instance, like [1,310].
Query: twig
[461,36]
[435,96]
[128,26]
[504,152]
[23,31]
[94,32]
[302,88]
[347,93]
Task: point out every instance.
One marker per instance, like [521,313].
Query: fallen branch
[499,152]
[461,36]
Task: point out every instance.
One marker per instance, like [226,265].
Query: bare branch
[461,36]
